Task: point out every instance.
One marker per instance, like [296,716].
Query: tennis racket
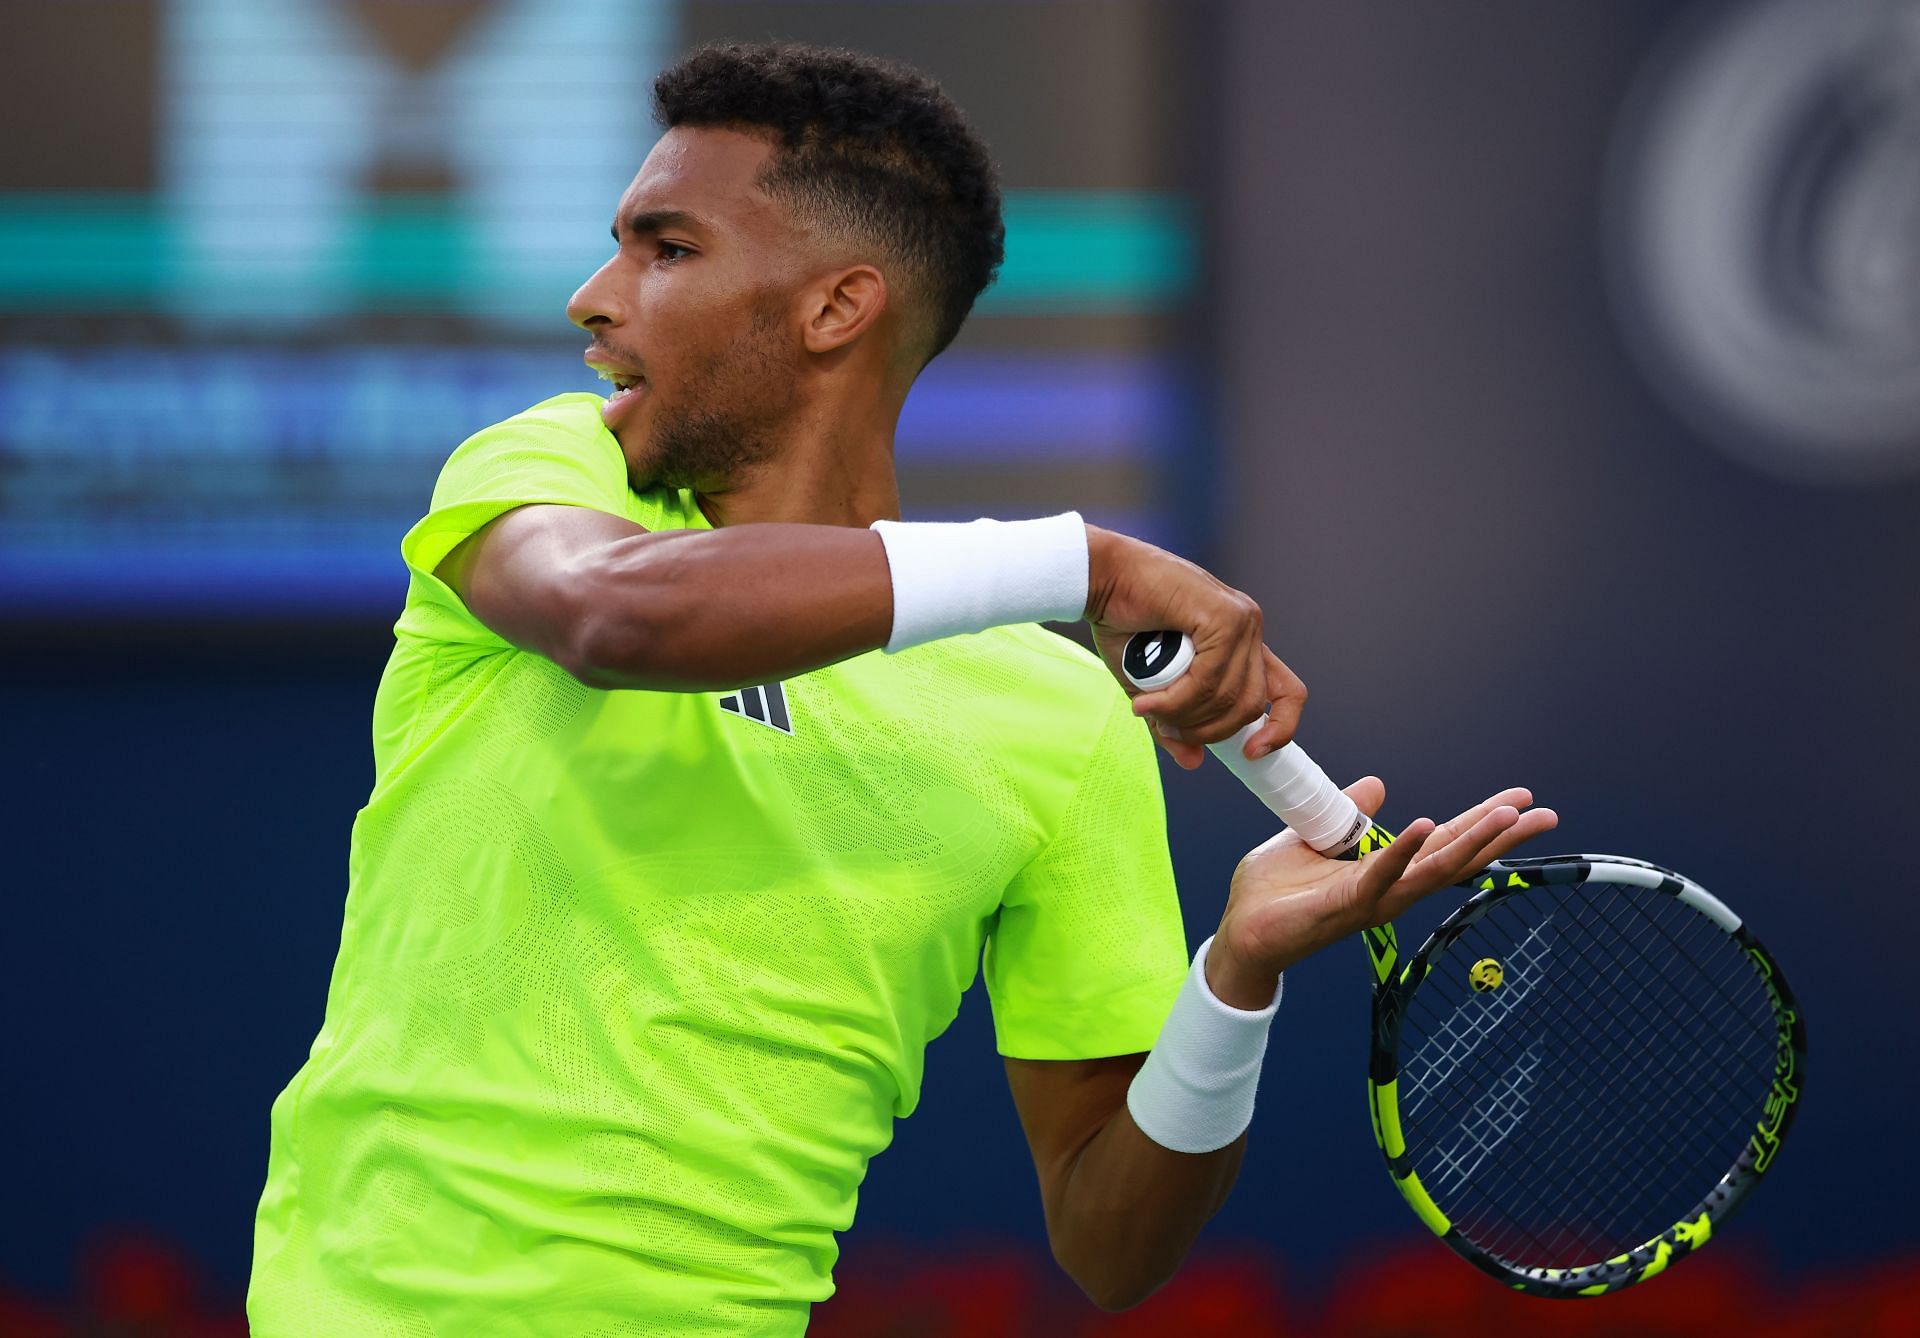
[1581,1072]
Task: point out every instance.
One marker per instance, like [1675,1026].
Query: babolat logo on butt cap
[766,703]
[1146,656]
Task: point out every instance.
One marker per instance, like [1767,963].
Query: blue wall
[178,820]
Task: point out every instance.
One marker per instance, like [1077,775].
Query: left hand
[1288,901]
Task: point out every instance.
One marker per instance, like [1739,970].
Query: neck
[834,467]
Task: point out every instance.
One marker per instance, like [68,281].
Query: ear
[842,306]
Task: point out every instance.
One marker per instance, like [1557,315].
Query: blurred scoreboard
[288,253]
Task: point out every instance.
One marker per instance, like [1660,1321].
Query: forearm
[692,611]
[1129,1210]
[1162,1163]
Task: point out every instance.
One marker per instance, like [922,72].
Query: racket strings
[1484,1026]
[1445,1054]
[1459,1102]
[1491,1120]
[1536,1168]
[1539,1186]
[1605,1094]
[1715,980]
[1654,1164]
[1723,1122]
[1535,1187]
[1654,1151]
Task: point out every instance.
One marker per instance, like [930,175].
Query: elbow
[1115,1302]
[602,653]
[612,635]
[1114,1298]
[1108,1283]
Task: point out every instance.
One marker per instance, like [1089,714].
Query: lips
[627,381]
[620,405]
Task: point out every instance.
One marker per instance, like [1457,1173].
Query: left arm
[1122,1211]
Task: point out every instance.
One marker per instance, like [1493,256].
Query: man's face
[694,315]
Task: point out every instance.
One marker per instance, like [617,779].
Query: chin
[643,464]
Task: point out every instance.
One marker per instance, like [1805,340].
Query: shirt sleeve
[555,453]
[1089,952]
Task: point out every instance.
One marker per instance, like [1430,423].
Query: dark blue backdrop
[178,817]
[1423,396]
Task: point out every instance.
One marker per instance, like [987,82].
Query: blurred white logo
[1764,215]
[292,127]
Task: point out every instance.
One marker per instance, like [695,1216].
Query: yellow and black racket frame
[1396,980]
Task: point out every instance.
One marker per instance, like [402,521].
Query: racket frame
[1299,792]
[1395,982]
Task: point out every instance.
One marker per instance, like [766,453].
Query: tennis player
[703,782]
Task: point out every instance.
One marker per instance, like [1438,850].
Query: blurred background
[1550,373]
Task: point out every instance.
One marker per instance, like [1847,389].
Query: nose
[594,303]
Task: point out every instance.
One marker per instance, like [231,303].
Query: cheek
[680,316]
[704,331]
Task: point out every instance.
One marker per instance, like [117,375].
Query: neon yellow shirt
[632,985]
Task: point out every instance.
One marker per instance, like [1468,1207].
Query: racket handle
[1285,780]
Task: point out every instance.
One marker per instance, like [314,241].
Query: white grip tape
[1286,780]
[1294,787]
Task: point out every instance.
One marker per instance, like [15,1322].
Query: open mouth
[626,389]
[623,383]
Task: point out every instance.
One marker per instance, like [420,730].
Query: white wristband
[1195,1092]
[949,579]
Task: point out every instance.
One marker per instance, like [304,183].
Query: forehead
[708,172]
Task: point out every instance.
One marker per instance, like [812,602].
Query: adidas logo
[766,703]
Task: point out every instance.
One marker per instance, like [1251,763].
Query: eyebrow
[648,221]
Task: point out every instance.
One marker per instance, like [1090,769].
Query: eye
[672,251]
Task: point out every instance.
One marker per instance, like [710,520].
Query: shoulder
[576,411]
[558,444]
[573,417]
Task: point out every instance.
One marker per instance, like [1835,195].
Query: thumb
[1368,794]
[1189,755]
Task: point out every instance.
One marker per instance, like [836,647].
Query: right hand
[1135,587]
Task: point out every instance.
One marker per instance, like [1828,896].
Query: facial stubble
[730,410]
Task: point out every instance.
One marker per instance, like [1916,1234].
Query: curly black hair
[871,148]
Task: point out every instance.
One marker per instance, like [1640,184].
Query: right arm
[708,610]
[679,610]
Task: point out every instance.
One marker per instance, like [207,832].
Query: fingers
[1481,835]
[1446,863]
[1249,701]
[1518,798]
[1286,697]
[1368,794]
[1220,695]
[1531,824]
[1182,738]
[1133,586]
[1188,755]
[1227,688]
[1380,871]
